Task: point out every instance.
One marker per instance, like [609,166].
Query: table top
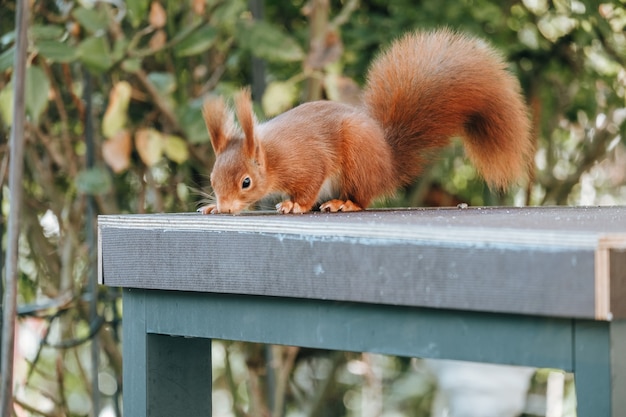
[554,261]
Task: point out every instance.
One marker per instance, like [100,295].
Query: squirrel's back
[430,86]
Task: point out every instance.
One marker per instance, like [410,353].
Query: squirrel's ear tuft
[219,122]
[243,109]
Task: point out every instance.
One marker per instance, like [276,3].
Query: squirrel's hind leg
[334,206]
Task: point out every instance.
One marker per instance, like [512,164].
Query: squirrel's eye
[246,183]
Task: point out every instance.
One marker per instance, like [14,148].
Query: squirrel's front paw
[340,205]
[208,209]
[289,206]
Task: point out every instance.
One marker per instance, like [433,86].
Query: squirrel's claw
[289,206]
[334,206]
[208,209]
[284,207]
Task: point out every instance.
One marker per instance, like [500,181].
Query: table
[538,286]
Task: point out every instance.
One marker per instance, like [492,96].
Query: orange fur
[243,109]
[430,86]
[426,88]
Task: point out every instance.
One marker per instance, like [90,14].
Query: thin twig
[344,14]
[318,28]
[286,366]
[90,237]
[596,150]
[61,383]
[159,101]
[3,167]
[15,185]
[55,154]
[67,77]
[33,363]
[66,141]
[230,379]
[321,393]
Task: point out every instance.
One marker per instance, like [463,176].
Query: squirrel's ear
[243,109]
[219,122]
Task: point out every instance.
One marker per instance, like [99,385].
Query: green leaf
[7,38]
[164,82]
[95,53]
[37,87]
[175,148]
[227,12]
[45,32]
[6,59]
[137,11]
[191,120]
[131,65]
[149,144]
[116,114]
[93,20]
[184,32]
[269,42]
[278,97]
[119,49]
[94,181]
[6,104]
[56,51]
[198,42]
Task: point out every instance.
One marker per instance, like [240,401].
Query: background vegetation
[113,100]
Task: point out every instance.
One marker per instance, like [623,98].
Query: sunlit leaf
[198,42]
[6,104]
[94,181]
[7,38]
[269,42]
[182,191]
[56,51]
[157,17]
[116,151]
[278,97]
[95,53]
[93,20]
[37,87]
[175,149]
[149,144]
[116,113]
[158,40]
[198,6]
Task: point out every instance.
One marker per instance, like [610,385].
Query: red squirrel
[424,89]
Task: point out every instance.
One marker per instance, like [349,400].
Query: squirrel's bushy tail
[431,86]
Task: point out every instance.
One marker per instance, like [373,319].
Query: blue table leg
[134,354]
[164,376]
[599,366]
